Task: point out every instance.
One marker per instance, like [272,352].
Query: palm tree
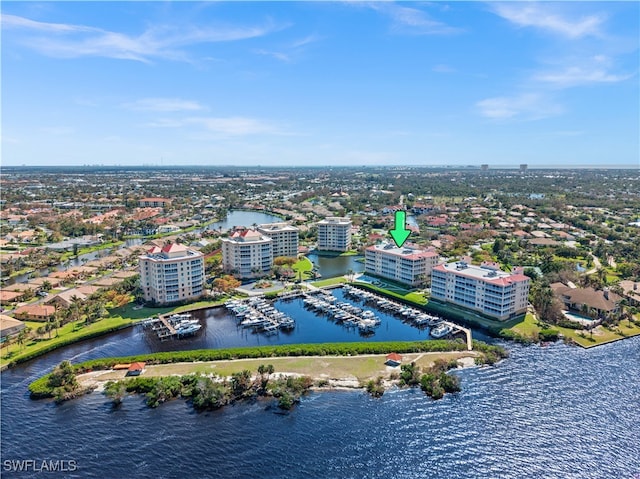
[21,337]
[7,341]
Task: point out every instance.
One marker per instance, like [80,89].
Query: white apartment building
[172,273]
[247,254]
[405,265]
[284,236]
[486,289]
[334,234]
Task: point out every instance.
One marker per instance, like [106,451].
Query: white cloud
[527,106]
[574,76]
[284,57]
[74,41]
[592,71]
[235,126]
[525,14]
[412,20]
[291,51]
[163,104]
[222,126]
[9,21]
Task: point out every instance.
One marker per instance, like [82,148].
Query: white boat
[192,329]
[441,331]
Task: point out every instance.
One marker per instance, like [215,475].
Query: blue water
[331,266]
[244,218]
[552,412]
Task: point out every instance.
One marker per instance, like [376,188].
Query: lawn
[396,291]
[329,281]
[601,335]
[330,367]
[304,266]
[67,334]
[527,326]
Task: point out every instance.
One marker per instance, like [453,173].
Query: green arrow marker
[400,233]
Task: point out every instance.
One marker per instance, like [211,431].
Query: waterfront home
[9,325]
[35,312]
[577,299]
[10,296]
[631,291]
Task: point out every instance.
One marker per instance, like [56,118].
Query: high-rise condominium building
[406,265]
[247,254]
[284,236]
[492,292]
[334,234]
[171,273]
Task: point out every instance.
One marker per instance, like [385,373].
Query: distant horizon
[257,166]
[321,83]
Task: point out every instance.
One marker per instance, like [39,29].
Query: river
[546,412]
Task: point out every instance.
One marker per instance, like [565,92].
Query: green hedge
[389,294]
[320,349]
[23,357]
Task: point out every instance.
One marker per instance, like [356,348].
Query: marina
[175,326]
[259,314]
[345,313]
[358,311]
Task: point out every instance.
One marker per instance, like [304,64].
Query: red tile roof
[137,366]
[394,357]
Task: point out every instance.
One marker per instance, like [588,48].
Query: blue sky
[321,83]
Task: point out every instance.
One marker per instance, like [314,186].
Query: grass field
[304,266]
[69,333]
[359,368]
[529,328]
[329,281]
[601,335]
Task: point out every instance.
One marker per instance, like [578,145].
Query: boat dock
[459,329]
[415,315]
[174,326]
[348,314]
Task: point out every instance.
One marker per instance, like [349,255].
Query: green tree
[22,335]
[115,390]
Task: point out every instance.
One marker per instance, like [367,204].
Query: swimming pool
[577,317]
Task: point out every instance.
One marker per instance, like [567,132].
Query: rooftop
[277,227]
[335,220]
[408,253]
[246,236]
[485,274]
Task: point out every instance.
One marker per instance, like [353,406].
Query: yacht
[441,331]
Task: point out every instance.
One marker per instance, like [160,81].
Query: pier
[174,326]
[459,329]
[417,316]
